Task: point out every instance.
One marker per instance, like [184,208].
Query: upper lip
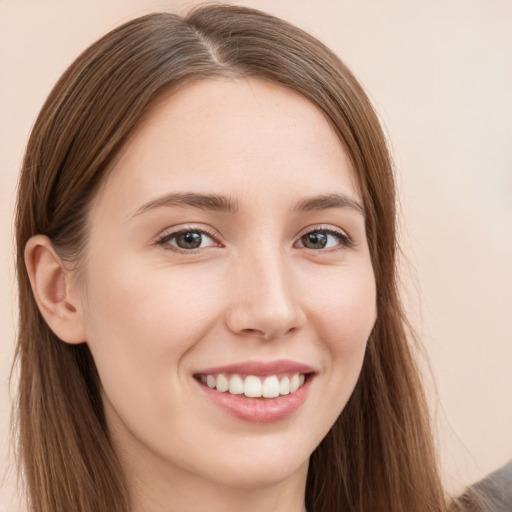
[259,368]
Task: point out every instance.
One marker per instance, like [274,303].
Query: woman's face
[227,248]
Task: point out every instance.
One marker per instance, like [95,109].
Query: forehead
[240,137]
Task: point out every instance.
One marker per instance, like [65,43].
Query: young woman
[209,314]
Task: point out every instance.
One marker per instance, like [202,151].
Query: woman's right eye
[187,240]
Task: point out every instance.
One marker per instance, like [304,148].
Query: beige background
[440,74]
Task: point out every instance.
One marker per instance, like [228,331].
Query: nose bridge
[265,300]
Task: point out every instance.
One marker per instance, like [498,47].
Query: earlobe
[55,296]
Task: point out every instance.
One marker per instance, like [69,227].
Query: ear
[55,292]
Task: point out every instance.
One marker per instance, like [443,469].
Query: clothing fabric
[492,494]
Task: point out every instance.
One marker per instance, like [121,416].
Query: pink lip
[259,410]
[259,368]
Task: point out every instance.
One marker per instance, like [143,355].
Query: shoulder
[492,494]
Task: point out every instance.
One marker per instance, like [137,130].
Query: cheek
[345,310]
[143,318]
[345,314]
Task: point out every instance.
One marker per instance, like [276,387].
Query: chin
[268,464]
[256,475]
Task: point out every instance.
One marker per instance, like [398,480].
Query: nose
[264,299]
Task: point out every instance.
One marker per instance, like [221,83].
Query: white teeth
[222,383]
[236,385]
[294,383]
[253,386]
[271,387]
[284,386]
[211,381]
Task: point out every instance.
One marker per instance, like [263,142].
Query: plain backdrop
[440,75]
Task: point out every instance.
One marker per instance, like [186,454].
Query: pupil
[315,240]
[189,240]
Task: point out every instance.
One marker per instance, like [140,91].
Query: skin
[154,315]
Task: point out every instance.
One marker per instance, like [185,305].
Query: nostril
[264,318]
[268,335]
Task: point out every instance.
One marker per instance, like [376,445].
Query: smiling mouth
[257,391]
[253,386]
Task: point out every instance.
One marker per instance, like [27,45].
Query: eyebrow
[227,204]
[327,201]
[201,201]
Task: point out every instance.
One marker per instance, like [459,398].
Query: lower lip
[259,410]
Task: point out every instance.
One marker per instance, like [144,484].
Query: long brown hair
[379,454]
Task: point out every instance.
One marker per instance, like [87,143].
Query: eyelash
[345,242]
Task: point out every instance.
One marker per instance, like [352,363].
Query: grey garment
[492,494]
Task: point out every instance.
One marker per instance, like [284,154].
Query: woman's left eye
[187,240]
[324,239]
